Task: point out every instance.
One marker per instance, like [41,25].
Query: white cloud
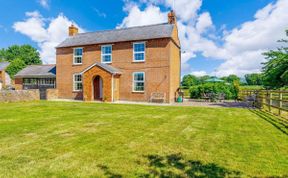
[44,3]
[136,17]
[246,43]
[199,73]
[186,9]
[47,33]
[204,21]
[242,47]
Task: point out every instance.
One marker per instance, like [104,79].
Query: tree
[254,79]
[203,78]
[15,66]
[275,70]
[231,79]
[19,57]
[189,80]
[26,53]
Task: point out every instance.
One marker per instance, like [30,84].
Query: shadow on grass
[108,172]
[175,165]
[276,122]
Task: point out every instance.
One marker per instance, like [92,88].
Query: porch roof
[106,67]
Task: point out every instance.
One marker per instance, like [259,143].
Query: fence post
[280,103]
[270,101]
[263,101]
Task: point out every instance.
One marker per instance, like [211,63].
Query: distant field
[59,139]
[251,87]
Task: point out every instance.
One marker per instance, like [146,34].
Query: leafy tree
[203,78]
[276,69]
[189,80]
[231,79]
[26,53]
[15,66]
[254,79]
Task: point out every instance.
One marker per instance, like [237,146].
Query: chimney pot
[171,17]
[73,30]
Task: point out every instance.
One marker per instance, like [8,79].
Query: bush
[230,90]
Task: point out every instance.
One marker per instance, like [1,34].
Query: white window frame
[74,83]
[139,52]
[105,62]
[74,56]
[133,82]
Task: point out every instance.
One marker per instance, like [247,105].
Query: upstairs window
[78,55]
[139,52]
[106,54]
[77,82]
[138,81]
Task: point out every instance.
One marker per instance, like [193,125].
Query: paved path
[228,104]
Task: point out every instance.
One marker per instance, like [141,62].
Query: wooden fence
[275,102]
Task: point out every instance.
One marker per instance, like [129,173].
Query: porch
[101,83]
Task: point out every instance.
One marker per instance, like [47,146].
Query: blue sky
[218,37]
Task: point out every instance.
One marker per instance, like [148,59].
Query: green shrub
[230,90]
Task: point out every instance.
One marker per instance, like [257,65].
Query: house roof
[4,65]
[37,71]
[106,67]
[163,30]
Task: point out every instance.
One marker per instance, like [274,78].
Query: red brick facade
[161,67]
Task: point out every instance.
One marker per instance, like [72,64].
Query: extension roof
[37,71]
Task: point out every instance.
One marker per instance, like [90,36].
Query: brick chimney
[171,17]
[73,30]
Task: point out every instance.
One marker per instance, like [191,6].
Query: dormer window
[106,54]
[78,55]
[139,52]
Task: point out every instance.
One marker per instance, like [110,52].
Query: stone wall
[52,94]
[19,95]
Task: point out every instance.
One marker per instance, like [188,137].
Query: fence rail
[273,101]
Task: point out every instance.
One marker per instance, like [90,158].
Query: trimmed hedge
[230,90]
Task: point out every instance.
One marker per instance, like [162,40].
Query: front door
[98,86]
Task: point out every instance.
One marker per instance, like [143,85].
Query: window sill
[138,92]
[106,62]
[77,91]
[77,64]
[138,61]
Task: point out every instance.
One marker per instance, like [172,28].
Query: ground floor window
[138,81]
[35,83]
[77,82]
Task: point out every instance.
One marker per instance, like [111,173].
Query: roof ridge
[119,29]
[42,65]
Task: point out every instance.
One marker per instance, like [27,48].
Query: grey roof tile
[163,30]
[37,71]
[4,65]
[106,67]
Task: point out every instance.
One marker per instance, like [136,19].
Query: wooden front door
[97,83]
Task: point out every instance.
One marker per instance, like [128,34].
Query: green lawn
[59,139]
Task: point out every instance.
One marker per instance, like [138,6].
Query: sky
[218,37]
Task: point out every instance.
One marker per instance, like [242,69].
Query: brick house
[124,64]
[5,79]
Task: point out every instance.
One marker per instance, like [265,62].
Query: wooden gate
[43,93]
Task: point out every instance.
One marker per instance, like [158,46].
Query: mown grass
[61,139]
